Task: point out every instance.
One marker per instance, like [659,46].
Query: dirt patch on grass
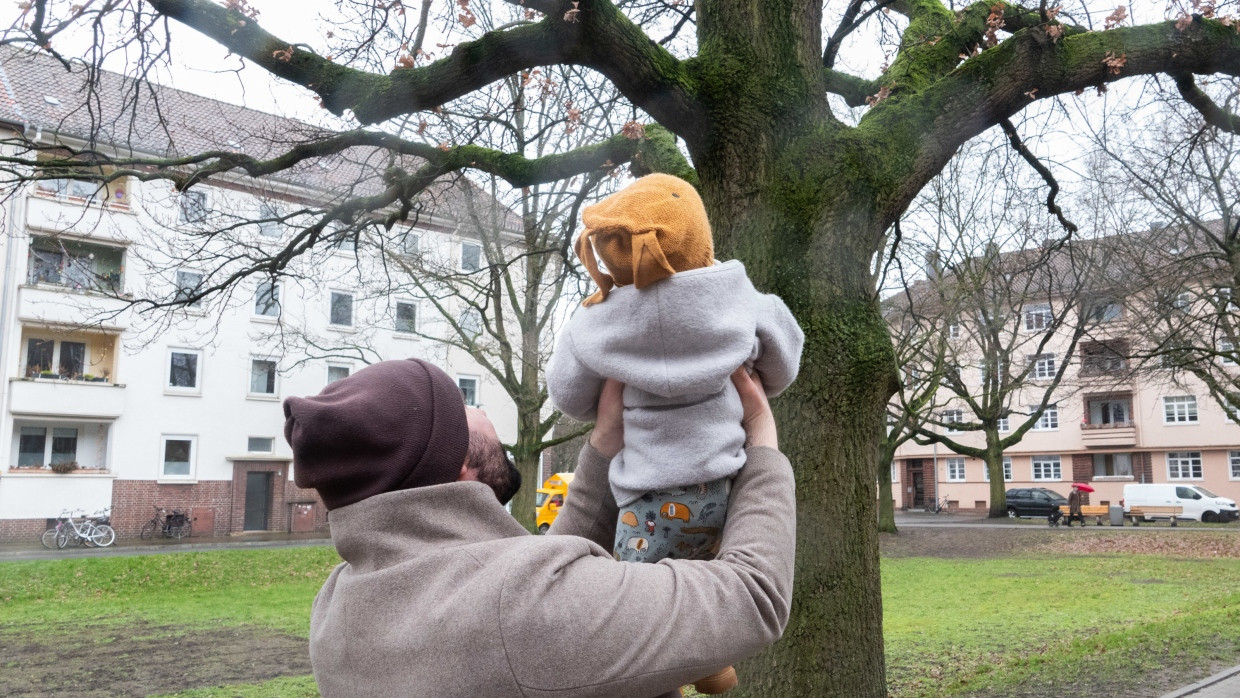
[958,542]
[1192,544]
[139,659]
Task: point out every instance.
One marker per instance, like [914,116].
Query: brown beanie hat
[390,426]
[645,232]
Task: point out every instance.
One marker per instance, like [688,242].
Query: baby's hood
[684,335]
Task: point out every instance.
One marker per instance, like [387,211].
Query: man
[1074,506]
[442,593]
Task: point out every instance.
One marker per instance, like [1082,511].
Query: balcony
[37,397]
[87,217]
[1109,435]
[60,306]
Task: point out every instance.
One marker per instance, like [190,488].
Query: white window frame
[481,258]
[331,294]
[1183,301]
[275,380]
[345,244]
[248,439]
[1233,465]
[417,245]
[953,330]
[1007,470]
[477,389]
[346,367]
[1004,425]
[1044,366]
[1173,415]
[417,315]
[1177,461]
[955,469]
[1038,318]
[270,229]
[276,293]
[193,457]
[1226,351]
[176,283]
[471,312]
[1047,461]
[49,440]
[204,199]
[954,416]
[1049,421]
[169,388]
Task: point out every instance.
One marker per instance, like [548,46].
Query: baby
[672,324]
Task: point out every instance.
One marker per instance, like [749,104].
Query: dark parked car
[1033,501]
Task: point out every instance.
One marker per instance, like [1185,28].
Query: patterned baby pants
[682,523]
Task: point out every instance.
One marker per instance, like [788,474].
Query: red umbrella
[1082,487]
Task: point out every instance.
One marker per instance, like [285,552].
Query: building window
[1099,358]
[32,447]
[188,283]
[1184,465]
[406,317]
[1007,470]
[471,256]
[1046,468]
[77,265]
[1180,409]
[955,470]
[1226,353]
[267,299]
[1043,366]
[1038,318]
[1233,460]
[1049,421]
[183,370]
[193,206]
[260,444]
[1105,310]
[1182,301]
[953,330]
[1003,425]
[986,374]
[1112,465]
[342,309]
[1110,412]
[64,445]
[335,373]
[262,377]
[410,244]
[469,389]
[269,222]
[72,359]
[952,417]
[471,322]
[178,456]
[39,355]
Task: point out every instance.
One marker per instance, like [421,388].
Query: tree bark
[886,504]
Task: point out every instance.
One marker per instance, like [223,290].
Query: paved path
[1225,684]
[971,520]
[135,546]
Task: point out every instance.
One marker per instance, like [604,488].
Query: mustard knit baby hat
[645,232]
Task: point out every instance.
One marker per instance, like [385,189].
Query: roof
[38,91]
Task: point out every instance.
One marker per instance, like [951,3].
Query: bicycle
[92,531]
[167,524]
[944,505]
[49,536]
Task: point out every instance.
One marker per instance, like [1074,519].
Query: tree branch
[853,89]
[1214,115]
[1042,170]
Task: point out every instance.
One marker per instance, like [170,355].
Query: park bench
[1139,513]
[1095,510]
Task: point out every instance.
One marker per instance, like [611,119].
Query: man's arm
[641,629]
[607,628]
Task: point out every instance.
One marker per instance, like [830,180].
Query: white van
[1199,504]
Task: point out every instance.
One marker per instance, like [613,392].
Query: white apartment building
[182,409]
[1106,425]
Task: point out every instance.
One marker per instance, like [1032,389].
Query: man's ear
[467,473]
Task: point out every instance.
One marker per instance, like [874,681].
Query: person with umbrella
[1074,502]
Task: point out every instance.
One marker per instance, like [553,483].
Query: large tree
[801,194]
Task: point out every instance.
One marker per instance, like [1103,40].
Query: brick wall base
[134,502]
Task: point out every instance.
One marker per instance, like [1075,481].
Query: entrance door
[919,489]
[257,501]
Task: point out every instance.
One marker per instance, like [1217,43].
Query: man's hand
[758,421]
[608,435]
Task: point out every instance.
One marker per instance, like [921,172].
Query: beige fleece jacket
[443,593]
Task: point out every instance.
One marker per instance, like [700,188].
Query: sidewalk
[928,519]
[1225,684]
[136,546]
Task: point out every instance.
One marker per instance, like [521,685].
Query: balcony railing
[64,398]
[1108,435]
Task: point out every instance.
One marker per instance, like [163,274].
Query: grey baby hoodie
[674,345]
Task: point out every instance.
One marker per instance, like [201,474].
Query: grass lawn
[993,625]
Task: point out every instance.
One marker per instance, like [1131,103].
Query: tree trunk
[998,486]
[886,504]
[527,456]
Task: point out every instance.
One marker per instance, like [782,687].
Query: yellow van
[550,498]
